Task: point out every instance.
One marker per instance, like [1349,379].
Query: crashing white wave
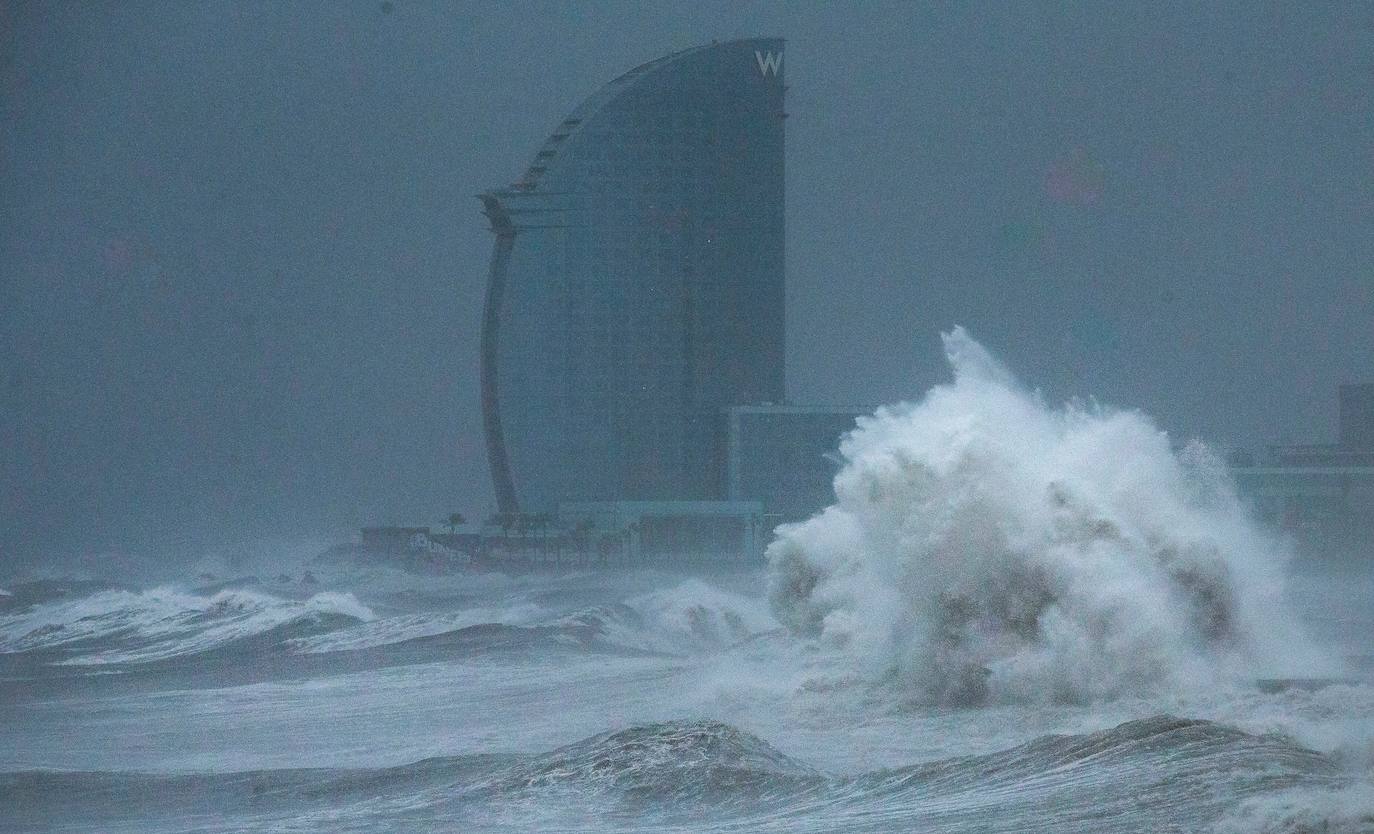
[690,618]
[403,627]
[984,545]
[118,626]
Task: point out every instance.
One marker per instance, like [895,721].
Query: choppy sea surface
[643,701]
[1015,617]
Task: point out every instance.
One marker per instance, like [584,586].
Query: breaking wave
[690,618]
[1160,773]
[403,628]
[986,546]
[92,625]
[120,626]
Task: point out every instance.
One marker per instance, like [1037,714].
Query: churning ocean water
[1015,617]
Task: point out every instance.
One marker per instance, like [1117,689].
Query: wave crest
[120,626]
[1153,774]
[690,618]
[672,760]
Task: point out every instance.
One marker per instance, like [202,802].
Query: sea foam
[984,545]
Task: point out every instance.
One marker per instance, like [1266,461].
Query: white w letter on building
[769,63]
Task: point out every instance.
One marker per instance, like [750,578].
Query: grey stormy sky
[241,267]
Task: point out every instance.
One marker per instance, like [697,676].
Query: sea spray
[986,546]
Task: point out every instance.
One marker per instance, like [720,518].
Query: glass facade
[784,456]
[636,284]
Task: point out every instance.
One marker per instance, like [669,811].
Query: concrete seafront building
[635,288]
[1322,493]
[1354,446]
[1357,417]
[671,533]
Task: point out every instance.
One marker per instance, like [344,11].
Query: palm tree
[581,538]
[540,523]
[506,521]
[456,520]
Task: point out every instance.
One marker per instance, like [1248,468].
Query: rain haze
[242,266]
[715,417]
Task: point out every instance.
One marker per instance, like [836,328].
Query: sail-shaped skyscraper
[636,284]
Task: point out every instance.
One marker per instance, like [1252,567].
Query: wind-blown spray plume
[986,546]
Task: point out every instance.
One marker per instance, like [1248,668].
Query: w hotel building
[636,285]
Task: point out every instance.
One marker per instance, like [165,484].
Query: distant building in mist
[1355,438]
[1357,417]
[1323,493]
[636,285]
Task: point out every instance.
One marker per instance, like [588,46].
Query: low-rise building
[785,456]
[669,533]
[1321,493]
